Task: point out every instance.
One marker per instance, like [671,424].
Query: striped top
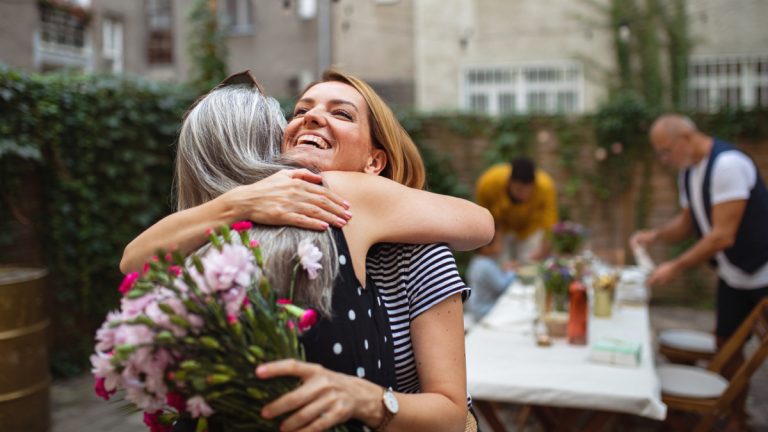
[411,279]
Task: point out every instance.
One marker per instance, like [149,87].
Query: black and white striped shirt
[411,279]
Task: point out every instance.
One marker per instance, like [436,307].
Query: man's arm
[726,218]
[677,229]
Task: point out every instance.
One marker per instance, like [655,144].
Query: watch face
[390,401]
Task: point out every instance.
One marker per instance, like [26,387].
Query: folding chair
[687,346]
[704,391]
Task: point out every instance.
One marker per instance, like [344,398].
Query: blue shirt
[488,281]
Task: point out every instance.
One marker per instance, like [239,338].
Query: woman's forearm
[399,214]
[184,231]
[418,412]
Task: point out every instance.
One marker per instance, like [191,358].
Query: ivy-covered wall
[85,164]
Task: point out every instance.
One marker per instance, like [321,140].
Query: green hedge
[105,160]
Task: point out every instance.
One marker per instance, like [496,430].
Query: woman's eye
[299,111]
[343,113]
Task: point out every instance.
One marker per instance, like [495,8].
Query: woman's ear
[376,163]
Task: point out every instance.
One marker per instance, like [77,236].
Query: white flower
[197,407]
[309,256]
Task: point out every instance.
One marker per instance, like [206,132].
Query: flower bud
[165,337]
[166,308]
[179,321]
[218,378]
[190,365]
[210,342]
[256,393]
[257,351]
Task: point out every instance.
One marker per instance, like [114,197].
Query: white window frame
[712,79]
[243,21]
[547,80]
[112,43]
[306,9]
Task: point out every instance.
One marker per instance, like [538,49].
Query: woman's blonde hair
[229,138]
[404,163]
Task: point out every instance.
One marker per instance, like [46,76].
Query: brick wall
[610,223]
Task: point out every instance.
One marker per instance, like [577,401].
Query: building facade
[494,57]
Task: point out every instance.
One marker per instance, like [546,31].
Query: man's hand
[643,238]
[664,273]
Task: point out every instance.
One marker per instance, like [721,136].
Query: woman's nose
[314,117]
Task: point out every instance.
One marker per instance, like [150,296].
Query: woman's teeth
[313,140]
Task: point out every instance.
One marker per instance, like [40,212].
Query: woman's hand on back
[292,197]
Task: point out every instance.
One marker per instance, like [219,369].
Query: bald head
[672,126]
[677,141]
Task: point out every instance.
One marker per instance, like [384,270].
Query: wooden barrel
[24,378]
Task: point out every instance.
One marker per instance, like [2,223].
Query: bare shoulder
[347,183]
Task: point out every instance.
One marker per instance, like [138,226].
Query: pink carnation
[233,265]
[153,421]
[308,319]
[240,226]
[309,256]
[128,281]
[101,390]
[197,407]
[176,401]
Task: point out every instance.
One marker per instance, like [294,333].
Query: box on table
[616,351]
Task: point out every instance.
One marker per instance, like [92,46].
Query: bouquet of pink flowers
[190,333]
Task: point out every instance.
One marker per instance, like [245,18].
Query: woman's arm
[399,214]
[328,398]
[289,197]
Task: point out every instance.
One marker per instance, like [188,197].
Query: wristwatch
[391,407]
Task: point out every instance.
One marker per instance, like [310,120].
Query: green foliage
[621,129]
[206,44]
[103,151]
[441,174]
[651,47]
[510,137]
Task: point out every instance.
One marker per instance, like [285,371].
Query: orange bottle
[577,313]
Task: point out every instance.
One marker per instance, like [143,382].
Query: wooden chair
[687,346]
[704,391]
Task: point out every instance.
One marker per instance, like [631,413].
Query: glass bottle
[578,313]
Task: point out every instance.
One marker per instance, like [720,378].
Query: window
[732,81]
[307,9]
[59,27]
[160,32]
[112,44]
[524,88]
[237,16]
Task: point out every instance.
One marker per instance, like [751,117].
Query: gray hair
[228,139]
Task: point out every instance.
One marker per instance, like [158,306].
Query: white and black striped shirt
[411,279]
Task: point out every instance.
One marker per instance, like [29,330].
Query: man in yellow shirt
[523,202]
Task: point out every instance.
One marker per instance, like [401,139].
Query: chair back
[756,325]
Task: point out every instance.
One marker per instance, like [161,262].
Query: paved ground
[76,409]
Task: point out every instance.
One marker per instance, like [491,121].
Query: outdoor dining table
[557,382]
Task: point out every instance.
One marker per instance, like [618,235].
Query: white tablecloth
[504,363]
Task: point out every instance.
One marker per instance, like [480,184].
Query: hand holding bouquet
[189,335]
